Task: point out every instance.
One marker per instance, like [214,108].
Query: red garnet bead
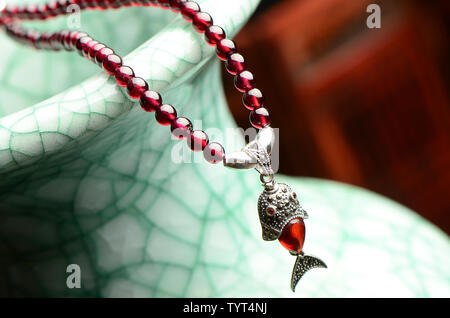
[94,50]
[111,63]
[81,44]
[189,9]
[225,48]
[244,81]
[125,3]
[293,235]
[151,101]
[42,41]
[102,5]
[214,34]
[63,38]
[81,3]
[176,5]
[181,127]
[253,99]
[52,8]
[62,6]
[88,48]
[33,36]
[43,13]
[74,36]
[201,21]
[102,54]
[214,152]
[63,34]
[260,118]
[123,75]
[165,114]
[32,11]
[54,42]
[197,140]
[136,87]
[90,3]
[164,4]
[235,63]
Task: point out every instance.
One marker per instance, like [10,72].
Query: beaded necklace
[279,209]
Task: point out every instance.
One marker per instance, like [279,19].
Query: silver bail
[255,155]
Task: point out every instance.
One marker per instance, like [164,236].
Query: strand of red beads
[138,88]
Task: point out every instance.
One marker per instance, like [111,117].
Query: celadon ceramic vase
[88,178]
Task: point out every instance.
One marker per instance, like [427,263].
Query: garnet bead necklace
[280,212]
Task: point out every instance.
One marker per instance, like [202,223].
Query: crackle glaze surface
[87,178]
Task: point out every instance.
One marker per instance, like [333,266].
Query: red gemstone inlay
[270,210]
[293,235]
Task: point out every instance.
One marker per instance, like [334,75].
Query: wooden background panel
[364,106]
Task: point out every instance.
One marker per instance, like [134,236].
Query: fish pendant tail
[304,263]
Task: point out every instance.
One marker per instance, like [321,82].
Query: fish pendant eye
[271,210]
[293,196]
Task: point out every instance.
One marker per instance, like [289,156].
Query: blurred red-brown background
[369,107]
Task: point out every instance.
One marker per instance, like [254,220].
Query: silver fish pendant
[281,217]
[280,213]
